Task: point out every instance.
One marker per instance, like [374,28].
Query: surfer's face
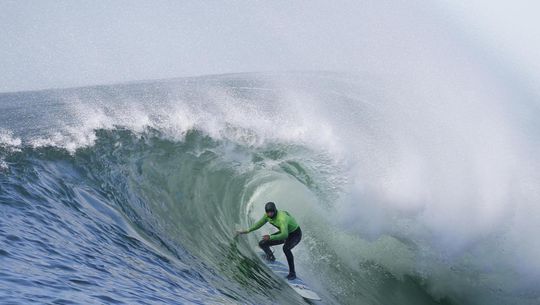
[270,214]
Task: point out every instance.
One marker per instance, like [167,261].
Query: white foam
[7,139]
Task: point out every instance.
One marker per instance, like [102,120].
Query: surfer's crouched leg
[292,240]
[265,246]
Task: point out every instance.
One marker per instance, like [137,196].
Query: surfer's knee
[262,243]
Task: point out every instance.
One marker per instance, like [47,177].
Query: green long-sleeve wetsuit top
[283,221]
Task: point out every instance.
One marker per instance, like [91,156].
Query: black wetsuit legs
[292,240]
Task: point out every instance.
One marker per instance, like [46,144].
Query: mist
[54,44]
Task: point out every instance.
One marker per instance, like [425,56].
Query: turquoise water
[131,194]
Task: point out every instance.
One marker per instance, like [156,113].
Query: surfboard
[297,284]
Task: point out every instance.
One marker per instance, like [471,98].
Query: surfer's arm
[257,225]
[283,232]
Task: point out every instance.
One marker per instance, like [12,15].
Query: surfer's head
[270,209]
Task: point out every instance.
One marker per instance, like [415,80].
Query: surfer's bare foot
[270,258]
[291,276]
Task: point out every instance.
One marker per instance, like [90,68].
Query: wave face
[131,193]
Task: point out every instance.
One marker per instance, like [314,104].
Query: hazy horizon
[60,44]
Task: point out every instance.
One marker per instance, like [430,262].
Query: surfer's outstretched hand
[238,232]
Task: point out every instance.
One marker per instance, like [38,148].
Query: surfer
[289,234]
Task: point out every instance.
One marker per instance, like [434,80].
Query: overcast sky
[51,44]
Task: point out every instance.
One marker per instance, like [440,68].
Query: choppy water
[131,193]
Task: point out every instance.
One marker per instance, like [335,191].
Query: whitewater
[131,193]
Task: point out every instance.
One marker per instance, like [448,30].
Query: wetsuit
[289,233]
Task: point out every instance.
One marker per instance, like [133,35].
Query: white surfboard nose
[297,284]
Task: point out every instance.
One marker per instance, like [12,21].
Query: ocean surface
[131,193]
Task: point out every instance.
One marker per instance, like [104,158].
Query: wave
[132,192]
